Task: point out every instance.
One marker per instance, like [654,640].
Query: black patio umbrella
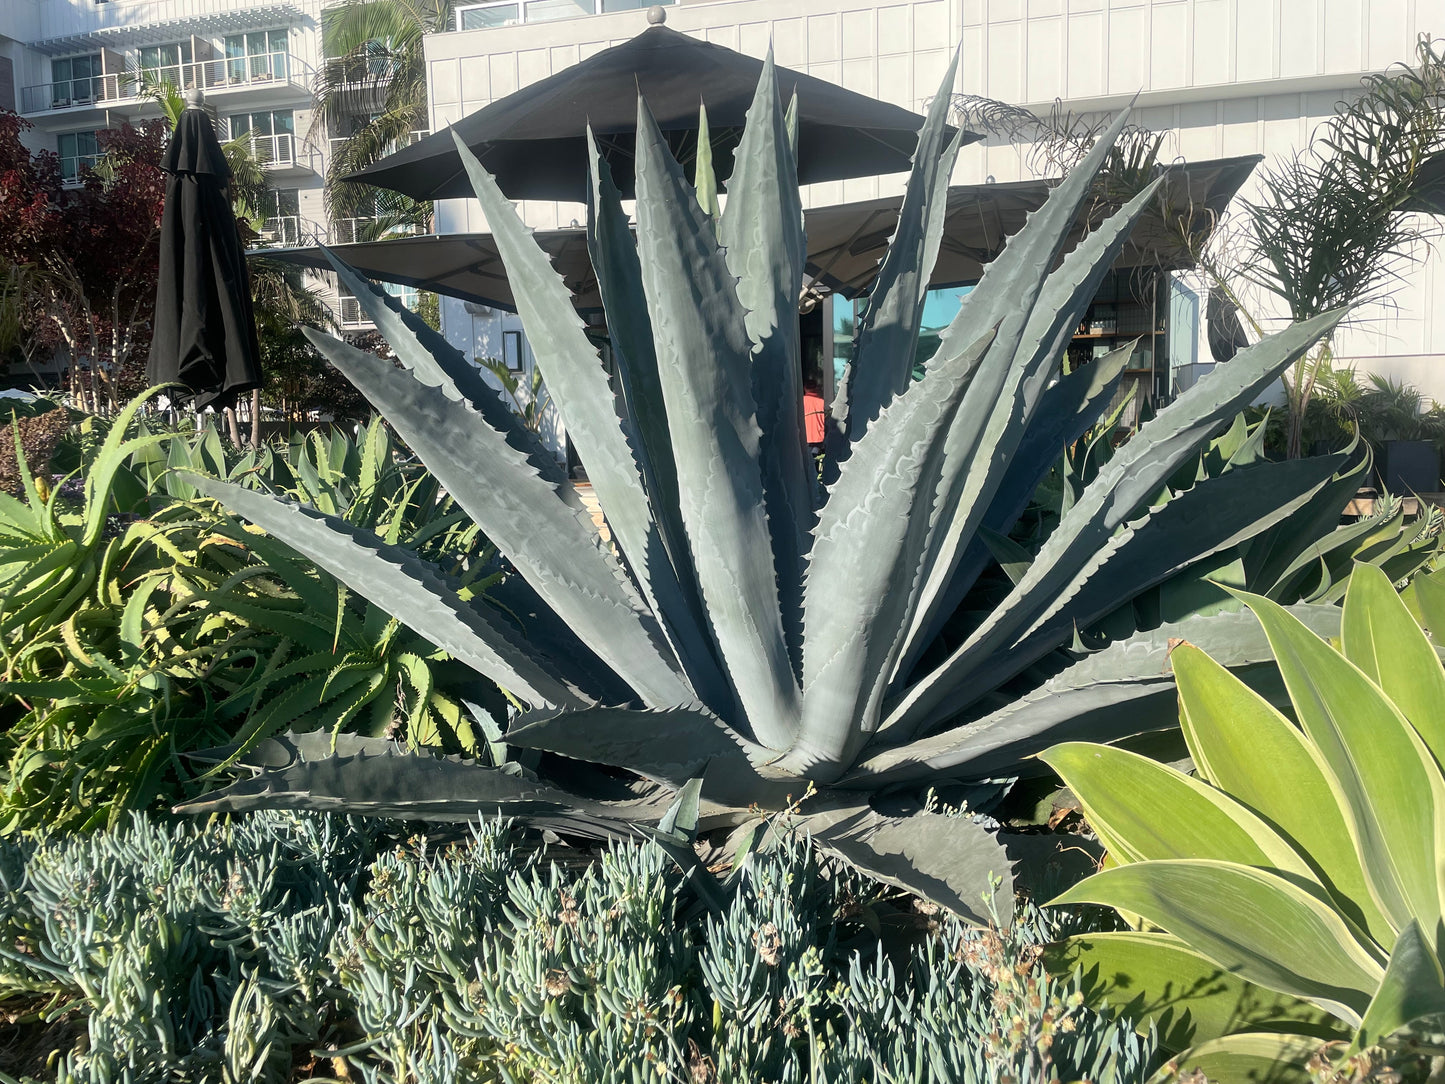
[1428,194]
[534,142]
[845,242]
[204,333]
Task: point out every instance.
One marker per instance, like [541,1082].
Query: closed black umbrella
[534,142]
[204,333]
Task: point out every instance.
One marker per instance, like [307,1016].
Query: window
[257,56]
[512,350]
[273,134]
[609,6]
[167,64]
[75,79]
[486,16]
[282,210]
[78,150]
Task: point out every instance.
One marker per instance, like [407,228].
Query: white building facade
[1222,77]
[73,68]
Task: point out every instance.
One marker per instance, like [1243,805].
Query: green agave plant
[1290,891]
[746,632]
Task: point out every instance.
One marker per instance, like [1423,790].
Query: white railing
[351,313]
[274,151]
[292,231]
[349,231]
[337,142]
[265,69]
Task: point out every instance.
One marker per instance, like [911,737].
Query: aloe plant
[737,631]
[1289,889]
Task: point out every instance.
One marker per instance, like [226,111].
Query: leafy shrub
[1290,892]
[281,945]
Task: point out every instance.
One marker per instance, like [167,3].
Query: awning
[845,242]
[152,32]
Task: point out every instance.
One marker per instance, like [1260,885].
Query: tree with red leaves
[89,252]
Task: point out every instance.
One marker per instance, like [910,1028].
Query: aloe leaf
[551,545]
[704,362]
[1263,927]
[1155,979]
[1279,1059]
[1391,784]
[404,586]
[1242,745]
[863,573]
[1144,810]
[1380,637]
[950,860]
[1413,988]
[762,233]
[1123,690]
[1131,477]
[669,575]
[436,362]
[888,329]
[581,392]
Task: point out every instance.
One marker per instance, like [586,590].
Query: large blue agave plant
[745,632]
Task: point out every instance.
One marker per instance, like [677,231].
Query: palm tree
[372,89]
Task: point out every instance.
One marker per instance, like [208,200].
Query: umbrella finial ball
[656,15]
[196,97]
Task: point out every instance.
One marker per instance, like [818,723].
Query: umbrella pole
[255,417]
[231,425]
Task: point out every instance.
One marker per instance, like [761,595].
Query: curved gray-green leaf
[404,586]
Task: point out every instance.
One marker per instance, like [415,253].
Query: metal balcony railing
[351,313]
[335,143]
[348,231]
[291,231]
[274,151]
[265,69]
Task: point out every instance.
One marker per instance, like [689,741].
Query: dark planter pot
[1409,466]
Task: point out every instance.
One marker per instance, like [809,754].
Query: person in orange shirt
[813,415]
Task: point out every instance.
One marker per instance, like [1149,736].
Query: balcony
[335,143]
[274,71]
[349,231]
[291,231]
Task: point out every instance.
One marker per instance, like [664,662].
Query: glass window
[257,56]
[78,150]
[629,5]
[271,133]
[485,16]
[166,63]
[75,79]
[541,10]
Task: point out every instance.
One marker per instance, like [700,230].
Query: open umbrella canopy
[534,142]
[1428,195]
[204,331]
[844,242]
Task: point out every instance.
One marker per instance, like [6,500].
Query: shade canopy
[204,331]
[844,242]
[1428,194]
[534,142]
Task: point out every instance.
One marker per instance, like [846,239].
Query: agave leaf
[403,585]
[1263,1056]
[1144,810]
[1065,412]
[1120,691]
[1242,745]
[1212,518]
[704,179]
[439,364]
[668,575]
[704,361]
[1155,979]
[374,777]
[1430,596]
[1329,548]
[864,568]
[1275,932]
[670,746]
[1413,988]
[577,382]
[551,545]
[986,434]
[950,860]
[888,329]
[1392,786]
[1132,476]
[762,233]
[1380,637]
